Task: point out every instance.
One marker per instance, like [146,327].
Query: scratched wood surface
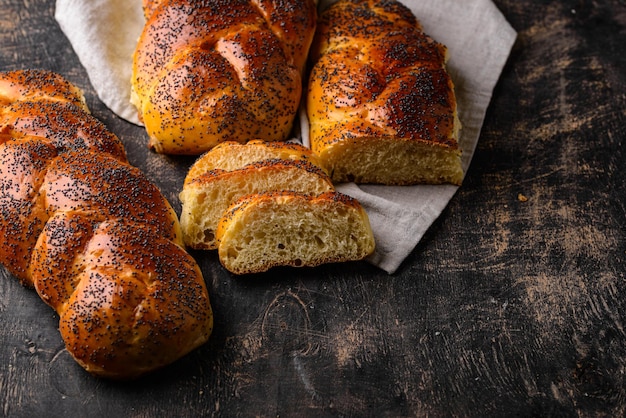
[512,305]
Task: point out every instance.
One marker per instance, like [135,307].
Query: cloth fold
[103,34]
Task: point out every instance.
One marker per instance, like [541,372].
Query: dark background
[506,308]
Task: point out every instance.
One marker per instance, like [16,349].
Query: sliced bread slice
[284,228]
[233,155]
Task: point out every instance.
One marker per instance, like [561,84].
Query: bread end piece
[381,105]
[263,231]
[129,302]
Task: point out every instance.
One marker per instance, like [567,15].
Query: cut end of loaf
[380,160]
[290,229]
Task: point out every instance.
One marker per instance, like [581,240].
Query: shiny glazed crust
[205,72]
[380,102]
[94,237]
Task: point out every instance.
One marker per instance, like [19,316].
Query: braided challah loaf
[209,71]
[93,236]
[380,103]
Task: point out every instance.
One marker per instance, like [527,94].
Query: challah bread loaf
[205,72]
[93,236]
[380,103]
[262,231]
[232,155]
[206,197]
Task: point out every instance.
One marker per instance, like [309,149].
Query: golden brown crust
[44,104]
[208,72]
[23,165]
[378,77]
[274,164]
[293,22]
[94,236]
[101,184]
[149,6]
[66,125]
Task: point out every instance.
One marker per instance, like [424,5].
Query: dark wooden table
[512,305]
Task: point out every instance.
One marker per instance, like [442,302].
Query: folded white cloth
[103,34]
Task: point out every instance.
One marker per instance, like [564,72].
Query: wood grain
[510,306]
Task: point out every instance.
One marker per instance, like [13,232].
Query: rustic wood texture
[512,305]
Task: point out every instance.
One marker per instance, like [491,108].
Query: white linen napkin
[103,34]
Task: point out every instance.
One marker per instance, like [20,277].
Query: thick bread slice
[262,231]
[233,155]
[207,197]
